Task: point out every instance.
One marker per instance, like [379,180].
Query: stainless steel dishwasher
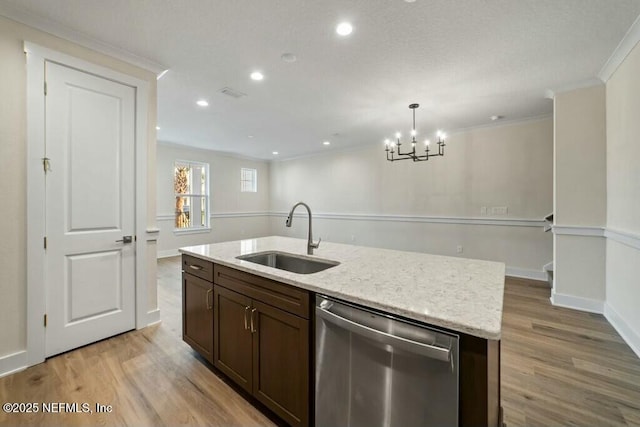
[373,369]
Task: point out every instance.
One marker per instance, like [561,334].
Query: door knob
[125,239]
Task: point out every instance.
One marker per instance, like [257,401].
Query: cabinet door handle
[209,304]
[253,329]
[195,267]
[246,321]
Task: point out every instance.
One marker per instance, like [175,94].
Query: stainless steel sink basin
[289,262]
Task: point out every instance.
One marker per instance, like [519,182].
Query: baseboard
[577,303]
[153,317]
[524,273]
[631,337]
[12,363]
[168,253]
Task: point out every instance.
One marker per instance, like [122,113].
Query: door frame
[36,56]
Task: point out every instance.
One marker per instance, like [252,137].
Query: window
[191,188]
[248,180]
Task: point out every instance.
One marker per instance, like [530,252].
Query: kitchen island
[459,295]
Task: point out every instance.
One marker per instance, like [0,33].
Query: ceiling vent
[232,92]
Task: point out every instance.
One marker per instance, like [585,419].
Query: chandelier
[394,151]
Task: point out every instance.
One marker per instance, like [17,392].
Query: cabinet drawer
[198,267]
[284,297]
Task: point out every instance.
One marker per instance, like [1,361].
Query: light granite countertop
[464,295]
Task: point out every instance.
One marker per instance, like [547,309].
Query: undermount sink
[289,262]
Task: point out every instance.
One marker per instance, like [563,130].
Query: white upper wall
[224,174]
[623,146]
[508,166]
[248,211]
[580,156]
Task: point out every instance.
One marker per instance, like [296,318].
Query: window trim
[254,181]
[193,229]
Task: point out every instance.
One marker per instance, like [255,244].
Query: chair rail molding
[626,238]
[512,222]
[578,230]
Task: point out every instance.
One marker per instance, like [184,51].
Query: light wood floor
[559,367]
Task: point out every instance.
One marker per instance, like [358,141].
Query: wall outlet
[353,238]
[483,210]
[499,210]
[459,249]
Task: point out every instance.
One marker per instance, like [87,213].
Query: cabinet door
[232,336]
[281,362]
[197,314]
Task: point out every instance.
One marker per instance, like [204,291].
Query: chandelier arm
[402,158]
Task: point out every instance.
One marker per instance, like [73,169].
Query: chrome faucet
[310,245]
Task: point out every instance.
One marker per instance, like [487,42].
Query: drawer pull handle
[246,321]
[196,267]
[253,329]
[209,304]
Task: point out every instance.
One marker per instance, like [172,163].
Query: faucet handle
[315,245]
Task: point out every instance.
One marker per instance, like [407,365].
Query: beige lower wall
[13,146]
[524,250]
[623,291]
[579,269]
[222,230]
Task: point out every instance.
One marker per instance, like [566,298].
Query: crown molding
[551,93]
[56,29]
[626,45]
[500,124]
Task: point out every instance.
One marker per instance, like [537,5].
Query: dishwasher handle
[433,352]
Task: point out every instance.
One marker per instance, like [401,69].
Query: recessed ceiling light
[344,29]
[157,127]
[257,75]
[326,143]
[250,136]
[289,57]
[202,103]
[494,118]
[410,1]
[275,153]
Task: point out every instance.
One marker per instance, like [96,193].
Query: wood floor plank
[559,367]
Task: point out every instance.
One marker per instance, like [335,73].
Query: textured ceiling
[463,61]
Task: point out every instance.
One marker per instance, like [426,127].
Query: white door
[90,270]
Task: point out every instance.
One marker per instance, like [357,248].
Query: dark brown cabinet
[197,314]
[261,344]
[233,340]
[281,362]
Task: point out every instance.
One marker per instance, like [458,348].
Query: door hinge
[45,88]
[45,320]
[45,242]
[46,164]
